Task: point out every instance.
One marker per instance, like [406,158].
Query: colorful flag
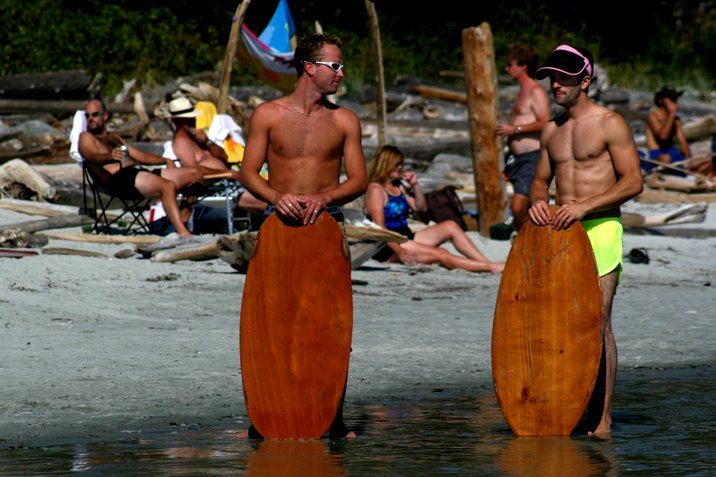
[270,55]
[280,29]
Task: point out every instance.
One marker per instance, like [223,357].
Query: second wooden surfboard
[296,328]
[546,335]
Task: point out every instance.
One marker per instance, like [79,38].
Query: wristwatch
[518,130]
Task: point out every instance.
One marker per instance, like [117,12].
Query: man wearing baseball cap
[664,131]
[590,152]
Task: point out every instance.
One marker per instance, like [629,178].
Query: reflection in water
[293,458]
[551,456]
[663,424]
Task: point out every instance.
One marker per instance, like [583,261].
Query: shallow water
[664,422]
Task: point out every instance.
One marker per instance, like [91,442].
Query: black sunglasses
[93,114]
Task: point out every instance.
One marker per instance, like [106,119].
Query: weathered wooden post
[482,104]
[380,112]
[223,103]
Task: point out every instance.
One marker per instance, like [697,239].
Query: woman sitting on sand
[389,204]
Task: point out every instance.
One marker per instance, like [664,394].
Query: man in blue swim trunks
[590,152]
[666,139]
[529,114]
[664,131]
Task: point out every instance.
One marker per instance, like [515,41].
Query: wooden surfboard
[546,335]
[296,328]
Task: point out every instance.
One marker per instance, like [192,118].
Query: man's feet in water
[250,433]
[602,431]
[336,431]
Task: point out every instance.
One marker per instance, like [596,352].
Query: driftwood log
[106,239]
[70,251]
[704,127]
[51,223]
[199,252]
[60,84]
[17,253]
[655,196]
[690,213]
[676,183]
[18,171]
[31,209]
[66,107]
[440,93]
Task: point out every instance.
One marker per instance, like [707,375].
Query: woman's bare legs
[449,230]
[429,254]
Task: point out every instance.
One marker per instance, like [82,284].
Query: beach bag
[444,204]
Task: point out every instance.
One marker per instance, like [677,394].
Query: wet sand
[101,348]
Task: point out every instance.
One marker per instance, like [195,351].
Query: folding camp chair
[130,203]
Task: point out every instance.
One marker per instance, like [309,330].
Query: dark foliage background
[672,41]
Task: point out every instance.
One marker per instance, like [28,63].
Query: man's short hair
[309,49]
[525,55]
[666,92]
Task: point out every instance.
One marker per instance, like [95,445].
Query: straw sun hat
[182,108]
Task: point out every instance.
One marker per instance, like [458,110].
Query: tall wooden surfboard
[546,335]
[296,328]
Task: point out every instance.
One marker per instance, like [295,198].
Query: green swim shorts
[606,237]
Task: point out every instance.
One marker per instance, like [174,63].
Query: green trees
[670,41]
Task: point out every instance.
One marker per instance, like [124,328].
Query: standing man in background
[529,115]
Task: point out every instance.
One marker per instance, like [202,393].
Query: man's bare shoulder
[655,113]
[535,87]
[343,114]
[183,139]
[612,117]
[273,105]
[87,139]
[270,110]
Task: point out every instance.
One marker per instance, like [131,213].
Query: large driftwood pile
[429,122]
[51,99]
[364,239]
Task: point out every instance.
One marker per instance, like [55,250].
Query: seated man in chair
[192,147]
[101,147]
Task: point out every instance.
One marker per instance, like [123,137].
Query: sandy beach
[102,348]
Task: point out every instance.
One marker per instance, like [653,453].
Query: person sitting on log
[664,131]
[388,204]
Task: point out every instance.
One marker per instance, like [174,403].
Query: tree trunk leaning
[381,109]
[238,20]
[482,104]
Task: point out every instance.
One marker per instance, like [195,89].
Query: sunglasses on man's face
[93,114]
[334,65]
